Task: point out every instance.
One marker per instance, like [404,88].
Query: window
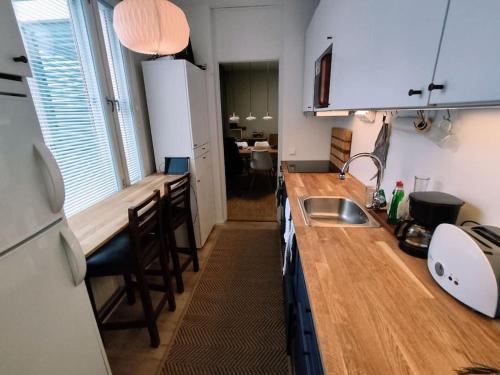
[70,96]
[115,61]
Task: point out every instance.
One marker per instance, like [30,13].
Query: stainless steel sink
[324,211]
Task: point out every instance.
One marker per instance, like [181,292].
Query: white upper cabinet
[317,40]
[406,53]
[13,57]
[468,65]
[382,49]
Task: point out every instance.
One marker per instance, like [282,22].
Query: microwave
[322,73]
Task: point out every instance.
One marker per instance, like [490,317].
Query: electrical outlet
[292,151]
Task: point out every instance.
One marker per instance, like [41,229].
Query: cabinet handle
[329,37]
[414,92]
[76,258]
[432,86]
[56,188]
[21,58]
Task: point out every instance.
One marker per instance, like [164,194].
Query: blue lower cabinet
[301,336]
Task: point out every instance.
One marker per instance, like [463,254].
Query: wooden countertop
[99,223]
[376,309]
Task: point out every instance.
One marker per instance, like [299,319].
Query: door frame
[218,159]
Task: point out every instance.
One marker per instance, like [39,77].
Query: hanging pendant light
[267,117]
[234,118]
[156,27]
[250,117]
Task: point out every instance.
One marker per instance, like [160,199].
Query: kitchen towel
[288,237]
[383,141]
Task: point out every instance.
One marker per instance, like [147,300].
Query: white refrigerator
[46,321]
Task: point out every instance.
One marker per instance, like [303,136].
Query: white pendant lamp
[250,117]
[155,27]
[234,118]
[267,117]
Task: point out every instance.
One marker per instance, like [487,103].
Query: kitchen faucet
[379,200]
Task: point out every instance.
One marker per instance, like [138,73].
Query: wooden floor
[128,351]
[256,205]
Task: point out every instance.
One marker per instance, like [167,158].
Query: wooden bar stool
[130,254]
[177,203]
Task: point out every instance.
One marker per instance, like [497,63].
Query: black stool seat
[113,258]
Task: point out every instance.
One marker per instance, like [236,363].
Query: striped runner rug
[234,322]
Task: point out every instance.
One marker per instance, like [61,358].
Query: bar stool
[177,203]
[130,254]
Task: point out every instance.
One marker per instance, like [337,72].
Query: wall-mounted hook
[423,123]
[448,116]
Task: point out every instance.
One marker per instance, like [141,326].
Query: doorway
[249,108]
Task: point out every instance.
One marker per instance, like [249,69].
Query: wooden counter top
[99,223]
[376,309]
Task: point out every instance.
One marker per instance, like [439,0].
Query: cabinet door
[318,38]
[46,322]
[382,49]
[31,186]
[205,196]
[469,58]
[12,43]
[198,107]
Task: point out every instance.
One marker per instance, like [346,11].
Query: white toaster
[465,261]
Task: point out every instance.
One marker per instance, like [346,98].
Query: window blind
[67,99]
[115,61]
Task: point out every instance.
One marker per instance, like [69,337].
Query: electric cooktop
[312,166]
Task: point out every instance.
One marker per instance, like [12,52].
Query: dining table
[247,151]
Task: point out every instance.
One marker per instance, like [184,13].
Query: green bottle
[397,197]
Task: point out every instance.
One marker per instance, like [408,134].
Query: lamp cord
[250,84]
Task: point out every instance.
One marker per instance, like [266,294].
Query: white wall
[248,33]
[302,138]
[141,112]
[468,167]
[256,30]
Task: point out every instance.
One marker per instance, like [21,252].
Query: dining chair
[273,139]
[130,254]
[263,144]
[177,203]
[261,163]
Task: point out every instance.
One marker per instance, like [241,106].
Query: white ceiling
[228,3]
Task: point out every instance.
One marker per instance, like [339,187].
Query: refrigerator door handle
[57,193]
[74,253]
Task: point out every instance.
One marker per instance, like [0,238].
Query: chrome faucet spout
[378,199]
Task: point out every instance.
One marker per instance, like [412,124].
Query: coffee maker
[428,209]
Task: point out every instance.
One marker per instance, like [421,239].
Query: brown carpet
[234,322]
[252,208]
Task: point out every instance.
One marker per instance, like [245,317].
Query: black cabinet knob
[414,92]
[22,59]
[432,86]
